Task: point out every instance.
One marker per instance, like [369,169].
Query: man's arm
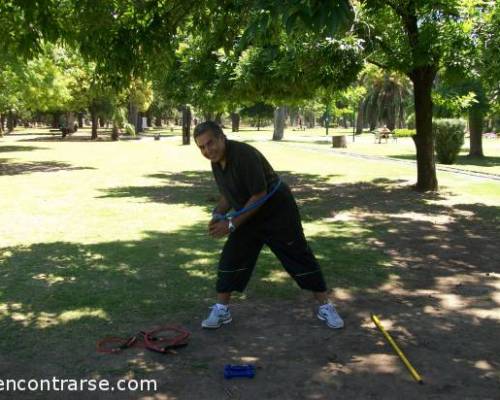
[219,229]
[240,219]
[222,206]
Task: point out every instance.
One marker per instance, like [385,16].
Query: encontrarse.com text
[77,385]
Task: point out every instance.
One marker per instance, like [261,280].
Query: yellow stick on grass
[398,351]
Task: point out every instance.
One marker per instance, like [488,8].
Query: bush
[404,132]
[449,136]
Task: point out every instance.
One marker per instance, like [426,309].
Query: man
[246,180]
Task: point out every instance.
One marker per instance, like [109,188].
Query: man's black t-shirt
[247,172]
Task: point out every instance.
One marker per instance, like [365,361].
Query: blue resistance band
[258,203]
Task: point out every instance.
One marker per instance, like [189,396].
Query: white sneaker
[328,313]
[217,318]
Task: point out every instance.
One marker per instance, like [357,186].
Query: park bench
[379,135]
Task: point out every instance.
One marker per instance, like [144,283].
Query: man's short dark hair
[206,126]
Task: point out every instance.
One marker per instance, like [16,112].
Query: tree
[480,78]
[385,98]
[491,53]
[10,92]
[414,37]
[161,108]
[26,25]
[258,113]
[140,97]
[258,54]
[295,69]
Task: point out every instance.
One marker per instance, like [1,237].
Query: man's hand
[218,229]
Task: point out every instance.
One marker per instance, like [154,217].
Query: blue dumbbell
[239,371]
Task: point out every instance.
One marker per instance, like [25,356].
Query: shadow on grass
[17,168]
[39,132]
[103,137]
[56,295]
[327,142]
[161,133]
[197,188]
[411,157]
[398,220]
[254,129]
[5,149]
[487,161]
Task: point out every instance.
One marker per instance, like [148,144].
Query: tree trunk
[235,122]
[311,120]
[218,119]
[422,78]
[2,122]
[372,111]
[115,132]
[258,123]
[71,122]
[360,118]
[133,115]
[391,110]
[391,119]
[139,126]
[93,117]
[326,121]
[158,121]
[102,124]
[55,120]
[10,121]
[476,119]
[149,119]
[293,116]
[80,120]
[279,123]
[401,119]
[186,125]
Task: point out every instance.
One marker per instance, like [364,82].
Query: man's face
[211,147]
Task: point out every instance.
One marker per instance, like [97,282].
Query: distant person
[383,133]
[244,177]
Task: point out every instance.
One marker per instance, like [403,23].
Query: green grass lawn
[102,237]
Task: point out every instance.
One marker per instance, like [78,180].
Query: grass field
[100,237]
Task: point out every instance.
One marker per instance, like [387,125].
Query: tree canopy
[224,56]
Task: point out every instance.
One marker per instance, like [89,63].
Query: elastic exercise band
[258,203]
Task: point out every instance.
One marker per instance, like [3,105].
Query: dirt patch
[297,357]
